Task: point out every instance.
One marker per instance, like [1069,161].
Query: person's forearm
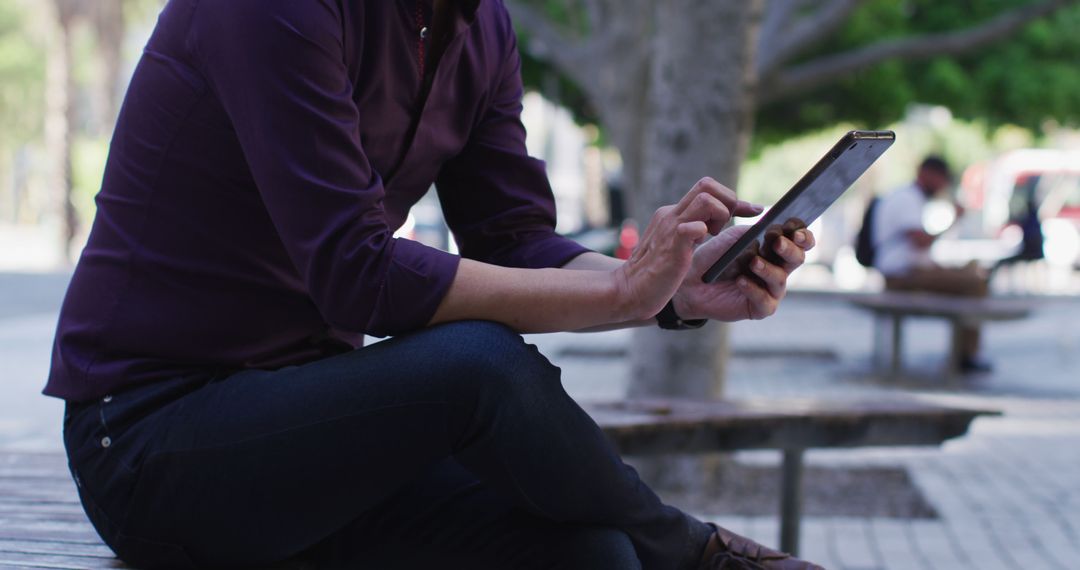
[592,261]
[535,300]
[606,291]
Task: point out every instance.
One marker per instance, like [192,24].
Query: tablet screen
[806,201]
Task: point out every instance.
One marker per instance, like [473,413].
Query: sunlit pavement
[28,308]
[1008,493]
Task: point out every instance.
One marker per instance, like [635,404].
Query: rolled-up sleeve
[278,68]
[496,198]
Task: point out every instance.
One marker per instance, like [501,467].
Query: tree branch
[826,69]
[786,42]
[570,54]
[778,14]
[594,12]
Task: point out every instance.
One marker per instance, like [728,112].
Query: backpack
[864,240]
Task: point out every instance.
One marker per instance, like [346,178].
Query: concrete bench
[891,308]
[653,427]
[43,526]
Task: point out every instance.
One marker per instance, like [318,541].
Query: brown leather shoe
[729,551]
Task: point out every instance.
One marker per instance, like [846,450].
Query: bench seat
[43,526]
[892,307]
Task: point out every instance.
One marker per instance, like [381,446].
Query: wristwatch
[668,319]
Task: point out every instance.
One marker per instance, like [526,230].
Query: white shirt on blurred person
[898,214]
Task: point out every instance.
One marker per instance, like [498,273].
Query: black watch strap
[668,319]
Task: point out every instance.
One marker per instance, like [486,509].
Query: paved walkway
[1008,494]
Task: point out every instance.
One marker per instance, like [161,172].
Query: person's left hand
[741,298]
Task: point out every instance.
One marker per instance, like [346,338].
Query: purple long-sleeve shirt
[265,154]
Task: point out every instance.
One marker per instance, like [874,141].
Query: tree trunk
[60,93]
[698,118]
[696,121]
[110,29]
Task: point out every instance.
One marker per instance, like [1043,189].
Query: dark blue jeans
[454,447]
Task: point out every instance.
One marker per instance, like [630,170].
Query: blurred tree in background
[62,73]
[22,84]
[22,79]
[1027,80]
[681,86]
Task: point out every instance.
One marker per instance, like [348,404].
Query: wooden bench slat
[53,548]
[13,494]
[42,524]
[938,305]
[892,307]
[60,509]
[68,535]
[661,426]
[43,472]
[19,560]
[40,516]
[48,460]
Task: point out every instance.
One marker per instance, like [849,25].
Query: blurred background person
[902,250]
[1025,215]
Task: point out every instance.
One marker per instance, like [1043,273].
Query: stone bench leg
[889,343]
[791,500]
[952,366]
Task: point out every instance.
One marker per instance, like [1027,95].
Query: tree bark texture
[673,82]
[61,91]
[110,29]
[697,119]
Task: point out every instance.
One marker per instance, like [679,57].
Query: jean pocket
[84,434]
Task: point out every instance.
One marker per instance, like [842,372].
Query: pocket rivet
[106,442]
[107,399]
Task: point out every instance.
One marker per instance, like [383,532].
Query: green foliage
[543,77]
[22,79]
[1025,80]
[87,169]
[767,175]
[142,10]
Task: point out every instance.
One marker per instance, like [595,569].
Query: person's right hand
[659,263]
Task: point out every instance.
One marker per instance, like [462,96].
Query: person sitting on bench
[221,410]
[902,250]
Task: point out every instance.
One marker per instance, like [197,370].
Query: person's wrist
[624,302]
[670,319]
[684,307]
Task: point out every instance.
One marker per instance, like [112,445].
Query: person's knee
[597,549]
[497,357]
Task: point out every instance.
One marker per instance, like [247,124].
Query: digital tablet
[805,202]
